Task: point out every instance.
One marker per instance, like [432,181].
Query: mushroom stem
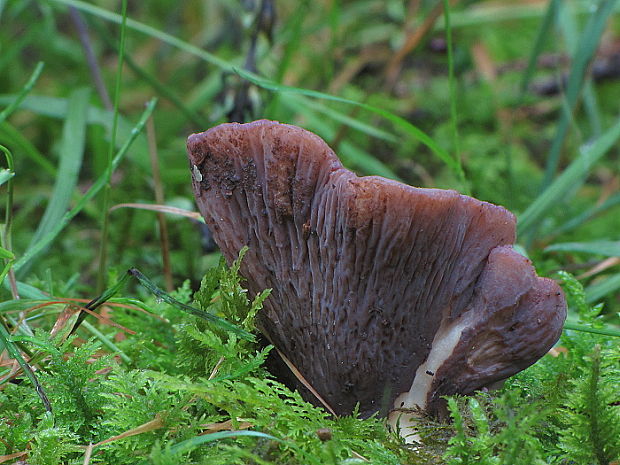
[411,405]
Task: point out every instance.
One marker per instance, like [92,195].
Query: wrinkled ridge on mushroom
[382,294]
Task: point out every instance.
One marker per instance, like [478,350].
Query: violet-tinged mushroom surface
[383,294]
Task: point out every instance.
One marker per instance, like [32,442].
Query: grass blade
[4,114]
[92,191]
[352,155]
[353,123]
[583,217]
[216,320]
[17,141]
[588,44]
[148,30]
[7,344]
[590,329]
[106,341]
[454,126]
[30,292]
[542,38]
[58,107]
[606,248]
[496,13]
[227,66]
[6,254]
[190,444]
[71,154]
[597,291]
[568,25]
[106,295]
[409,129]
[162,89]
[6,238]
[571,178]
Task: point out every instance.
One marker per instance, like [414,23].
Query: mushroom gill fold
[383,294]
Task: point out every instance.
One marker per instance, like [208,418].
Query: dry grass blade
[412,40]
[6,458]
[359,456]
[63,319]
[216,368]
[87,454]
[370,54]
[107,321]
[160,208]
[120,305]
[225,426]
[600,267]
[12,373]
[303,381]
[483,61]
[154,424]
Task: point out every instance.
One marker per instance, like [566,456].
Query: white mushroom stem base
[407,405]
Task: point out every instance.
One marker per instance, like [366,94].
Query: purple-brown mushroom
[383,295]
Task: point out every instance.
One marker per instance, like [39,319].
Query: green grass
[145,371]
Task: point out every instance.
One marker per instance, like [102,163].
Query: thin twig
[88,453]
[216,368]
[305,382]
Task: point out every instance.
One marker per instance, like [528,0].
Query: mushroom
[383,295]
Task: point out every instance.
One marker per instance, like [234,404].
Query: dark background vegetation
[349,49]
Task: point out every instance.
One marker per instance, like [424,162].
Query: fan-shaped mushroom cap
[383,294]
